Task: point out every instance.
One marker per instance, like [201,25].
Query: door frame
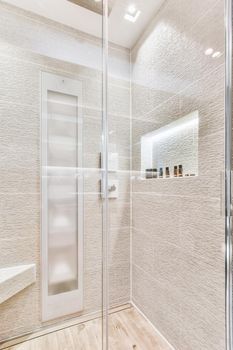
[54,306]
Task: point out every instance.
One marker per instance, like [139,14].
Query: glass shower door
[166,175]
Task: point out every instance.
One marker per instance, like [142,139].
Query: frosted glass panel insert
[62,196]
[62,193]
[171,150]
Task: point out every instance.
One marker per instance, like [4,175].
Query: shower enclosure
[116,150]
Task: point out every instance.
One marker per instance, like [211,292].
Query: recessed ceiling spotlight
[217,54]
[209,51]
[131,10]
[97,0]
[132,14]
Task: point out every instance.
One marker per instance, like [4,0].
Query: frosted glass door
[62,229]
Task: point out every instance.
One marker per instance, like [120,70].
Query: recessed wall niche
[172,150]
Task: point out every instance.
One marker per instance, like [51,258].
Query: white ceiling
[121,32]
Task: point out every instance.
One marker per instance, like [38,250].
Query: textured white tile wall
[178,225]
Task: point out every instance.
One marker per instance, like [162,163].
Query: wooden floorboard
[128,329]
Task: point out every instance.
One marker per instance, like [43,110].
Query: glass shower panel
[51,142]
[166,194]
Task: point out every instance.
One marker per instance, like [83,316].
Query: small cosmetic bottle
[149,173]
[167,171]
[180,171]
[175,171]
[161,173]
[155,173]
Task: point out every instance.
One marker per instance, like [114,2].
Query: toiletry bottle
[155,173]
[175,171]
[149,173]
[180,171]
[167,171]
[161,172]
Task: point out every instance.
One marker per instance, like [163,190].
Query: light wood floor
[127,330]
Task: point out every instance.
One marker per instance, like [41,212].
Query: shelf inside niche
[174,144]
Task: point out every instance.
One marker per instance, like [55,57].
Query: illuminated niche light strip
[175,127]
